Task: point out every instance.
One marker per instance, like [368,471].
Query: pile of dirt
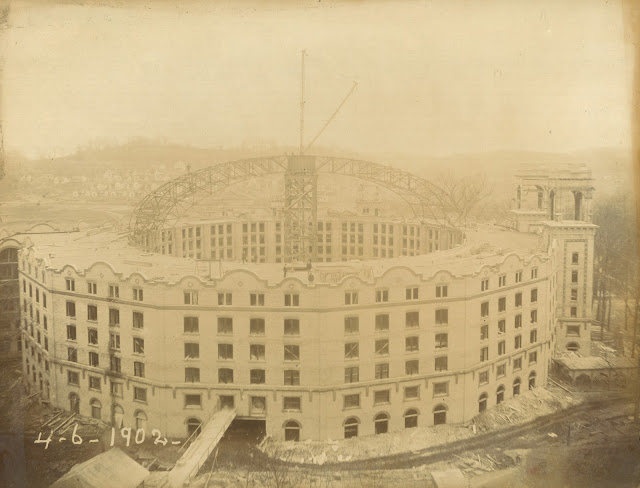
[523,408]
[528,406]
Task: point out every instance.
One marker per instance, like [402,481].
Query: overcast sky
[434,77]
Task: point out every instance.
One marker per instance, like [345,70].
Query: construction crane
[304,149]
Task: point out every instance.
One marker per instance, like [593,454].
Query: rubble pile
[531,404]
[523,408]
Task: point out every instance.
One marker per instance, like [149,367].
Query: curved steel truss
[160,208]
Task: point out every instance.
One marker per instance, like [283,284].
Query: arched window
[96,408]
[193,425]
[440,414]
[516,386]
[573,346]
[74,403]
[117,416]
[382,423]
[410,418]
[351,427]
[500,395]
[532,380]
[482,402]
[141,420]
[292,431]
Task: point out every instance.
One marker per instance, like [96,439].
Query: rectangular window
[73,378]
[291,377]
[442,341]
[351,298]
[92,336]
[382,296]
[484,309]
[138,369]
[72,354]
[411,392]
[502,326]
[92,288]
[116,389]
[257,376]
[517,364]
[441,363]
[256,326]
[484,285]
[382,371]
[441,291]
[114,317]
[92,312]
[351,401]
[291,404]
[534,295]
[441,388]
[225,351]
[44,299]
[225,299]
[291,327]
[575,258]
[114,341]
[138,345]
[94,359]
[191,325]
[382,347]
[442,316]
[138,294]
[518,276]
[534,316]
[352,374]
[502,304]
[138,320]
[574,276]
[411,344]
[502,348]
[71,332]
[192,375]
[191,400]
[484,354]
[257,299]
[71,284]
[518,299]
[114,291]
[534,273]
[351,350]
[573,330]
[574,312]
[190,297]
[484,332]
[382,322]
[517,322]
[291,352]
[501,370]
[381,397]
[225,325]
[412,367]
[533,357]
[483,377]
[71,309]
[517,343]
[351,325]
[502,280]
[533,336]
[412,319]
[291,300]
[191,350]
[225,375]
[94,383]
[412,293]
[140,394]
[574,294]
[115,364]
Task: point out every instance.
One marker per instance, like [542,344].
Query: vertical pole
[302,101]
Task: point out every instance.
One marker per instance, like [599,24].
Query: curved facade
[394,324]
